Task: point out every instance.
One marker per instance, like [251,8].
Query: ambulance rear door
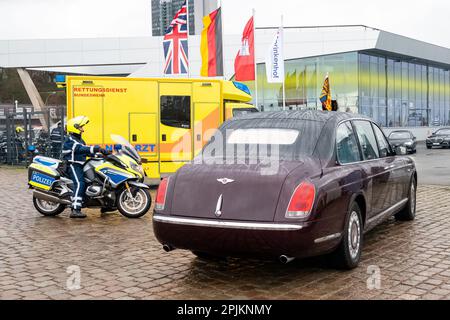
[143,135]
[206,115]
[175,129]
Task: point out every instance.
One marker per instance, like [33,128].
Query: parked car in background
[335,177]
[403,138]
[440,138]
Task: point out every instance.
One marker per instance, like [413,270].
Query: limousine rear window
[289,139]
[263,136]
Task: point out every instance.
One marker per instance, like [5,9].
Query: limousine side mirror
[400,151]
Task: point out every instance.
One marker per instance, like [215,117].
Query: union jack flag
[175,44]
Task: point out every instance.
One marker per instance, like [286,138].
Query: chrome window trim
[361,161]
[335,143]
[227,224]
[359,141]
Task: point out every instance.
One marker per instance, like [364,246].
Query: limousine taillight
[302,201]
[161,194]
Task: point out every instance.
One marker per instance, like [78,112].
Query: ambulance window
[243,111]
[176,111]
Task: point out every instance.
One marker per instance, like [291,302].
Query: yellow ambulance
[168,120]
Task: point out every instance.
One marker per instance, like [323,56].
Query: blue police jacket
[75,149]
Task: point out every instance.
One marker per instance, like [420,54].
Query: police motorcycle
[112,181]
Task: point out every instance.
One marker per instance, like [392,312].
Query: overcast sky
[30,19]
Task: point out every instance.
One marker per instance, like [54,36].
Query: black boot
[76,213]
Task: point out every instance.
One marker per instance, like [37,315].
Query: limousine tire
[408,213]
[348,253]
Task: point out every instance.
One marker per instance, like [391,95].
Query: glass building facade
[395,92]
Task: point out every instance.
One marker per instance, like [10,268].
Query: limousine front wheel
[348,254]
[409,212]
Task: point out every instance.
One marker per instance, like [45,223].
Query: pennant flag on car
[325,96]
[211,47]
[244,65]
[175,44]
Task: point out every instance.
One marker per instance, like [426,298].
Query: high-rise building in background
[163,12]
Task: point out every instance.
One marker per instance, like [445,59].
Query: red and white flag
[244,65]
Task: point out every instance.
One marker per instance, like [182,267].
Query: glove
[105,152]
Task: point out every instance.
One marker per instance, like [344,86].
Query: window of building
[397,93]
[303,83]
[176,111]
[382,83]
[442,110]
[447,97]
[346,144]
[390,93]
[390,90]
[366,139]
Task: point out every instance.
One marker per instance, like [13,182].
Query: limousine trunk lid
[229,192]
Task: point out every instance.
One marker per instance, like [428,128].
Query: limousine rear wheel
[409,212]
[348,253]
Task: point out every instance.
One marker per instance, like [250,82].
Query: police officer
[75,152]
[19,130]
[56,136]
[19,143]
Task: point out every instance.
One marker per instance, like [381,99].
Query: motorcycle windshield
[127,147]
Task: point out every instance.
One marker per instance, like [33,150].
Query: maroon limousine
[286,184]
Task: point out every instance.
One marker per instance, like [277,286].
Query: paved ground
[433,165]
[118,258]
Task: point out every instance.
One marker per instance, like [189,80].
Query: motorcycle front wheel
[48,208]
[134,203]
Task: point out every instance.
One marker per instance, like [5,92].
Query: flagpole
[284,77]
[223,36]
[254,53]
[189,54]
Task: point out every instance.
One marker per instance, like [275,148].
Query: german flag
[211,45]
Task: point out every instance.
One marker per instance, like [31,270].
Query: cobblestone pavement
[119,258]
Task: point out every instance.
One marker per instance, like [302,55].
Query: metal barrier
[19,148]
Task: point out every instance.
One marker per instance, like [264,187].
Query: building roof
[407,47]
[143,56]
[302,42]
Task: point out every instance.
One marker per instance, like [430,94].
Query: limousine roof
[314,115]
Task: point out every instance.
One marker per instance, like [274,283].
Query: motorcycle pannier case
[41,177]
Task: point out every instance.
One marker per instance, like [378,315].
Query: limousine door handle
[389,167]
